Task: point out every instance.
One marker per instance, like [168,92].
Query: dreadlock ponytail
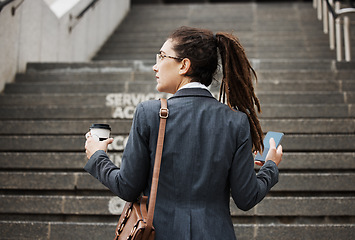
[237,83]
[200,46]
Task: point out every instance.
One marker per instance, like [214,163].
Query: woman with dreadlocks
[208,146]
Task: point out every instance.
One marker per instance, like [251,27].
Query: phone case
[277,136]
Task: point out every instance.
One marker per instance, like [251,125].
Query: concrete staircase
[45,113]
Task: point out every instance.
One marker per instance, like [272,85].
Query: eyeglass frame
[161,56]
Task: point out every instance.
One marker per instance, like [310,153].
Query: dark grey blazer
[207,157]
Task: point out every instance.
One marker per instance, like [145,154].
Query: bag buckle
[164,113]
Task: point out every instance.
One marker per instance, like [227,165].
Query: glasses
[160,57]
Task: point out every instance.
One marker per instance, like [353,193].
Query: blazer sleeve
[129,181]
[247,187]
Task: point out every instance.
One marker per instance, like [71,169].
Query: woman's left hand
[92,145]
[274,154]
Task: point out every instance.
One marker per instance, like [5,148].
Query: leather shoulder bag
[135,222]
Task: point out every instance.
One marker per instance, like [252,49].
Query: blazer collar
[192,92]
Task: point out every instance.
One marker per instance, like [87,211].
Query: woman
[208,145]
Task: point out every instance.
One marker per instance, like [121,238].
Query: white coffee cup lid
[100,125]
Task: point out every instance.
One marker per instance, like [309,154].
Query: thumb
[272,143]
[108,141]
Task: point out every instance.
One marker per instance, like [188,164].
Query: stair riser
[126,112]
[149,87]
[101,206]
[75,127]
[101,99]
[147,74]
[76,143]
[59,231]
[293,162]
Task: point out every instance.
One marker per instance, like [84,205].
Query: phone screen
[277,136]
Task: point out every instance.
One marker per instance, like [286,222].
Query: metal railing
[334,14]
[4,3]
[13,9]
[76,19]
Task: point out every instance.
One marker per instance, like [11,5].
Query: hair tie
[214,37]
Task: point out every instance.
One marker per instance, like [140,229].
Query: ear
[185,66]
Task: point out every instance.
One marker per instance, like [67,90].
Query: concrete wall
[39,31]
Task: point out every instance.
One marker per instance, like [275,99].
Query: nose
[155,68]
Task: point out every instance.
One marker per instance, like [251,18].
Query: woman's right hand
[92,145]
[273,153]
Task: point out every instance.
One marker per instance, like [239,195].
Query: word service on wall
[126,103]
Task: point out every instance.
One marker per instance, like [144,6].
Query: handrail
[13,9]
[90,5]
[335,13]
[343,11]
[331,9]
[4,3]
[81,14]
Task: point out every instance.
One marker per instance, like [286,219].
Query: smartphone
[277,136]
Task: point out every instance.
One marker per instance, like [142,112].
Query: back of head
[201,47]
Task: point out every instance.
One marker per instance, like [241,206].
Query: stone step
[251,54]
[55,181]
[57,230]
[86,67]
[247,38]
[145,73]
[302,125]
[321,75]
[126,112]
[292,55]
[306,231]
[105,230]
[268,65]
[102,98]
[119,126]
[221,23]
[300,206]
[260,49]
[75,143]
[77,127]
[149,87]
[78,87]
[75,161]
[83,76]
[100,205]
[252,21]
[127,45]
[54,161]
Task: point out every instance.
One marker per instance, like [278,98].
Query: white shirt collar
[194,85]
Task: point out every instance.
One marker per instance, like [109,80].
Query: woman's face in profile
[167,68]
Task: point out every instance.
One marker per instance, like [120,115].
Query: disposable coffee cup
[100,132]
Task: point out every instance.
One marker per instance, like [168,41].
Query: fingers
[279,150]
[259,163]
[87,135]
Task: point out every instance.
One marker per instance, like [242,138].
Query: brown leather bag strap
[163,114]
[143,207]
